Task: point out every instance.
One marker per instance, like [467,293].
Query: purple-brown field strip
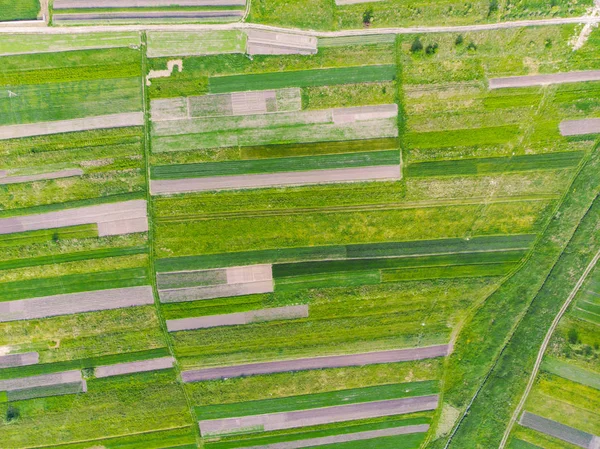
[135,367]
[76,4]
[343,438]
[67,126]
[47,306]
[121,215]
[152,15]
[217,291]
[233,319]
[338,361]
[41,176]
[314,417]
[376,173]
[557,430]
[44,380]
[542,80]
[272,43]
[12,360]
[580,127]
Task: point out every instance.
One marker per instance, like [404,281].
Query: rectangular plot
[12,360]
[76,4]
[542,80]
[134,367]
[119,213]
[46,391]
[191,278]
[234,319]
[42,307]
[377,173]
[340,361]
[362,113]
[121,227]
[66,126]
[290,420]
[149,15]
[199,43]
[571,372]
[557,430]
[262,42]
[580,127]
[220,291]
[169,109]
[18,44]
[42,176]
[346,437]
[43,380]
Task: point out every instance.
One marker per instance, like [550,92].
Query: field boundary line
[512,330]
[152,253]
[306,32]
[544,346]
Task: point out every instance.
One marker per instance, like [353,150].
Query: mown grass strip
[528,162]
[251,440]
[448,272]
[355,251]
[47,235]
[371,39]
[132,277]
[48,368]
[73,257]
[571,372]
[276,165]
[304,268]
[319,400]
[302,78]
[328,280]
[462,137]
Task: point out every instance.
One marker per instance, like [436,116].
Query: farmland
[230,238]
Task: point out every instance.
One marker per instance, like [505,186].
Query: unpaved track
[15,28]
[379,172]
[343,438]
[326,415]
[67,126]
[542,350]
[542,80]
[134,367]
[339,361]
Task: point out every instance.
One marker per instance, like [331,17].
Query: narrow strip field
[134,367]
[541,80]
[399,355]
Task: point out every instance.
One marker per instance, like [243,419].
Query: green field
[19,10]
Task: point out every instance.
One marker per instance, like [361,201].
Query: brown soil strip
[326,415]
[343,438]
[338,361]
[218,291]
[580,127]
[67,126]
[156,15]
[541,80]
[273,43]
[43,380]
[135,367]
[557,430]
[42,176]
[12,360]
[381,172]
[47,306]
[126,215]
[234,319]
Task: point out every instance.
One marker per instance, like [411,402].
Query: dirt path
[15,28]
[542,350]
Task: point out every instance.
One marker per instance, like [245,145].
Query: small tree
[548,43]
[55,237]
[459,40]
[88,373]
[368,16]
[493,7]
[416,45]
[431,48]
[12,414]
[573,336]
[472,46]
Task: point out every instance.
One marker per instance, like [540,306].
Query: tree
[12,414]
[368,16]
[573,336]
[416,45]
[459,40]
[493,7]
[55,237]
[472,46]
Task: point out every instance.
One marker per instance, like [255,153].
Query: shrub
[472,46]
[493,7]
[368,16]
[431,48]
[12,413]
[548,43]
[459,40]
[573,336]
[416,45]
[88,373]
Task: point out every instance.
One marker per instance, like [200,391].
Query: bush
[573,336]
[493,7]
[368,16]
[472,46]
[416,45]
[548,43]
[12,414]
[88,373]
[431,48]
[459,40]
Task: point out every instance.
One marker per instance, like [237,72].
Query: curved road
[12,28]
[540,356]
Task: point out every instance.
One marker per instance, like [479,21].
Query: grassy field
[19,10]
